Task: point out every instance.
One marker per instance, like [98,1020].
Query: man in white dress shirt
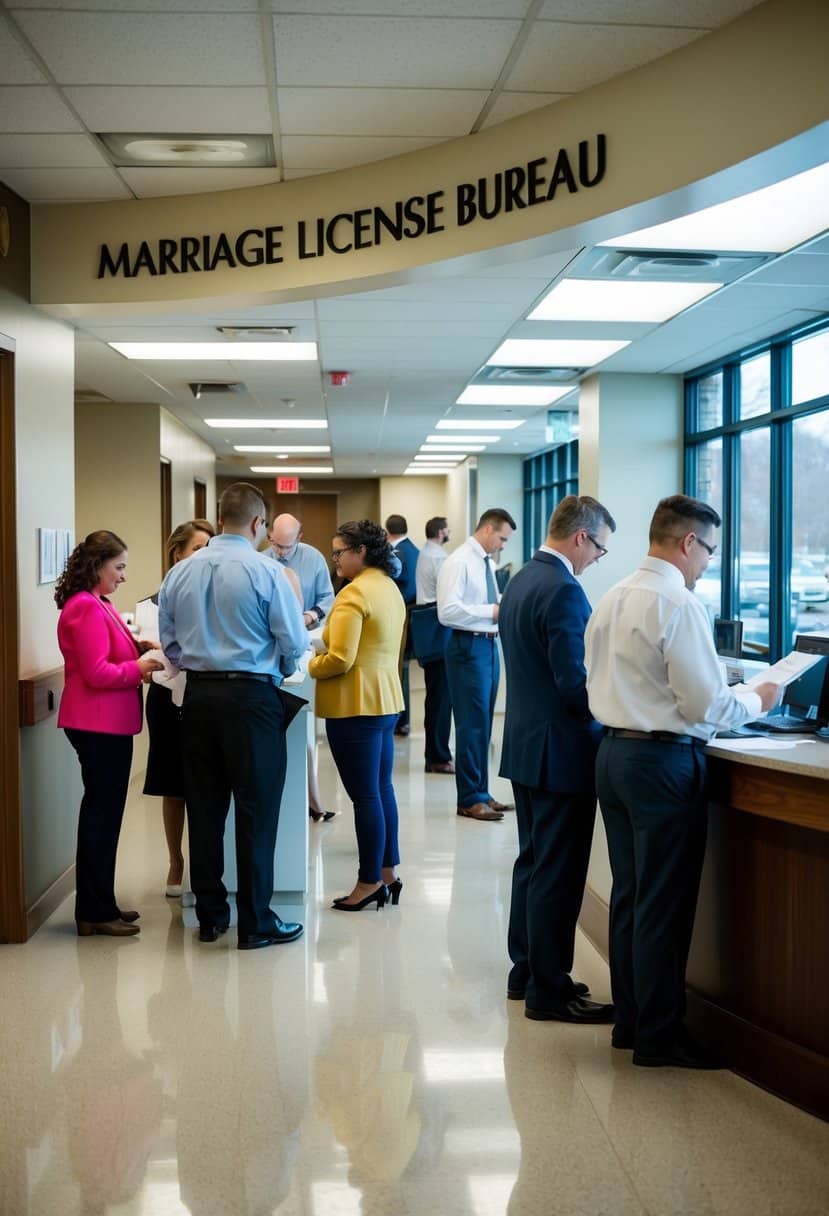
[654,680]
[437,708]
[468,601]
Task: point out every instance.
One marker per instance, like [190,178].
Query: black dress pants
[105,771]
[555,832]
[653,802]
[437,713]
[233,738]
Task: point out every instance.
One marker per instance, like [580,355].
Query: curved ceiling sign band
[512,189]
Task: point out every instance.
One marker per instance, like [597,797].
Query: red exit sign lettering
[287,485]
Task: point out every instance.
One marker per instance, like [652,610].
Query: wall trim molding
[594,921]
[50,900]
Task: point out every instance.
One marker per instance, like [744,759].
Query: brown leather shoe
[480,810]
[439,766]
[106,928]
[501,806]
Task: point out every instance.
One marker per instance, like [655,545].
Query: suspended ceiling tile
[428,112]
[568,58]
[127,48]
[370,312]
[42,151]
[148,6]
[800,268]
[703,14]
[405,8]
[15,65]
[510,105]
[34,108]
[160,183]
[392,51]
[341,152]
[65,185]
[173,109]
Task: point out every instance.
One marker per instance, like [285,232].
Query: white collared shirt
[651,662]
[429,561]
[565,561]
[462,593]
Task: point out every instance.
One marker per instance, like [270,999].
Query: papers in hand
[318,644]
[170,677]
[784,672]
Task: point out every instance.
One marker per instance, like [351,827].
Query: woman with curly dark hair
[100,711]
[360,696]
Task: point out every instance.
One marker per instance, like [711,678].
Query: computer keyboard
[783,724]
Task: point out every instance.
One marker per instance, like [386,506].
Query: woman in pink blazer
[100,711]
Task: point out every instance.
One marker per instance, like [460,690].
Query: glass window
[709,402]
[810,524]
[710,489]
[755,512]
[755,386]
[810,368]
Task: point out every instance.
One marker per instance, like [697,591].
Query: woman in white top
[164,777]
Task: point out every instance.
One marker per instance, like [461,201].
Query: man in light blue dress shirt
[232,622]
[307,563]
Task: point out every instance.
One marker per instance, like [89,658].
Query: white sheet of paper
[758,745]
[784,672]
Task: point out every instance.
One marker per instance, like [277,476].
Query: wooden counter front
[758,975]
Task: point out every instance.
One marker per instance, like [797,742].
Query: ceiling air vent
[256,331]
[202,389]
[663,266]
[528,375]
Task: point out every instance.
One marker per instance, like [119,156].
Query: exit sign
[287,485]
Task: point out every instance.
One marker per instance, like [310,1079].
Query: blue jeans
[363,751]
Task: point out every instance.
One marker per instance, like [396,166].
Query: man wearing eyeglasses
[307,563]
[654,680]
[549,754]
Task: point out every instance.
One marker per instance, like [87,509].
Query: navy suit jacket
[550,737]
[407,585]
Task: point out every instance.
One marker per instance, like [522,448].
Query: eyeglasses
[336,554]
[709,549]
[601,548]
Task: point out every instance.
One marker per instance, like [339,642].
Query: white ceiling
[336,83]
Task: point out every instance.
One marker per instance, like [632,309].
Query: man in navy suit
[397,528]
[549,753]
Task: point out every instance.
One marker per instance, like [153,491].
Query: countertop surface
[809,758]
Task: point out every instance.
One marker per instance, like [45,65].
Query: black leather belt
[473,634]
[259,676]
[655,736]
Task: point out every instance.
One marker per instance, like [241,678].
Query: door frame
[12,886]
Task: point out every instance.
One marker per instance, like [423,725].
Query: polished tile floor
[372,1069]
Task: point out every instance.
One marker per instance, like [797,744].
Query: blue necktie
[491,589]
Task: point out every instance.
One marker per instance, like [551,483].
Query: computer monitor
[728,638]
[807,697]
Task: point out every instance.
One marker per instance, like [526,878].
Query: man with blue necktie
[468,603]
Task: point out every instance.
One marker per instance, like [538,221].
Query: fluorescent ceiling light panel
[486,394]
[466,440]
[229,352]
[266,424]
[453,447]
[770,220]
[431,457]
[554,352]
[460,424]
[291,468]
[423,468]
[605,300]
[321,449]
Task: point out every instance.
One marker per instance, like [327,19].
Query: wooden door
[318,513]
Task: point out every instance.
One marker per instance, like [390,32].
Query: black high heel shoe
[394,889]
[379,897]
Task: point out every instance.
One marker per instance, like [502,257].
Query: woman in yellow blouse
[360,696]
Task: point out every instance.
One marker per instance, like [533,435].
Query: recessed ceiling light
[485,394]
[456,424]
[268,424]
[553,352]
[431,456]
[291,468]
[770,220]
[319,448]
[216,151]
[424,469]
[230,352]
[466,440]
[603,300]
[452,447]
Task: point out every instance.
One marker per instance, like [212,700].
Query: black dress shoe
[683,1054]
[577,1009]
[401,730]
[283,931]
[129,918]
[518,994]
[211,933]
[622,1038]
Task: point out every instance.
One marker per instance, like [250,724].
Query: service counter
[758,975]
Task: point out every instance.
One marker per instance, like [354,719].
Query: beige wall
[416,499]
[357,498]
[190,457]
[457,503]
[117,455]
[500,485]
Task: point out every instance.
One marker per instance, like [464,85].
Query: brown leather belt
[655,736]
[259,676]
